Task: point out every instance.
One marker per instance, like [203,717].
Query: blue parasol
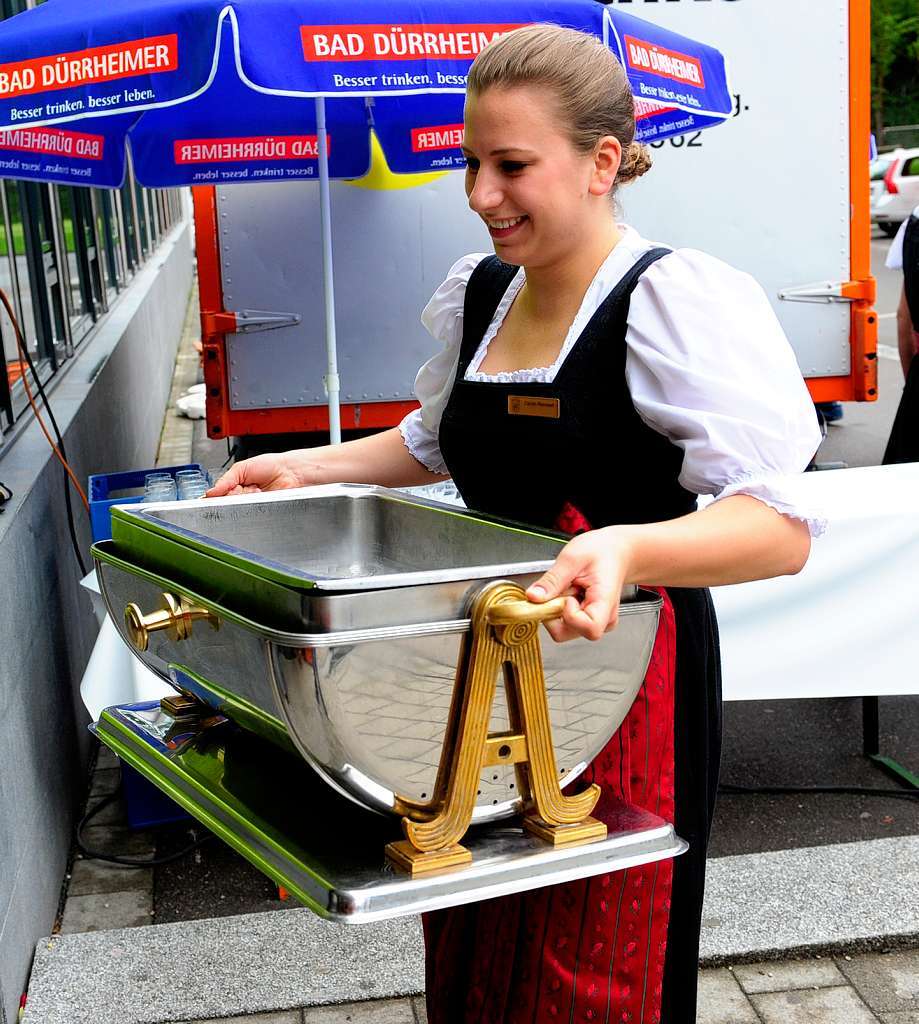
[209,92]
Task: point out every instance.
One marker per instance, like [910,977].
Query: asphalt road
[776,743]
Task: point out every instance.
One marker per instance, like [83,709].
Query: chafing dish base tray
[274,810]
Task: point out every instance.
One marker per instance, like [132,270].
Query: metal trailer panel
[769,190]
[392,248]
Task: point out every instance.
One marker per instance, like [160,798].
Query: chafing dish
[337,622]
[340,612]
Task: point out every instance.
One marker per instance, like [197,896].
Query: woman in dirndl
[643,378]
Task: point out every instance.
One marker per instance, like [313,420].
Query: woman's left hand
[591,571]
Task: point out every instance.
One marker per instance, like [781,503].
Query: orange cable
[23,366]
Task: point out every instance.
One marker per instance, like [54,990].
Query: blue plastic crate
[102,485]
[145,805]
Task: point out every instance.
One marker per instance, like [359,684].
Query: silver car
[894,188]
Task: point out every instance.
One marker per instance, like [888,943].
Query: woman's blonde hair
[590,86]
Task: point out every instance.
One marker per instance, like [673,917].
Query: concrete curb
[818,899]
[220,967]
[758,906]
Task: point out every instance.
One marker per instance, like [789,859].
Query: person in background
[830,411]
[903,444]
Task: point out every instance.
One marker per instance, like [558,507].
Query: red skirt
[590,950]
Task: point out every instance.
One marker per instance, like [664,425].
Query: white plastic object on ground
[192,405]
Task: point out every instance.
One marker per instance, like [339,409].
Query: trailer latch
[247,321]
[832,291]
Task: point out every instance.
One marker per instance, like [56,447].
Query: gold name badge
[519,405]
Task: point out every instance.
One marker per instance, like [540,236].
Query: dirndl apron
[574,455]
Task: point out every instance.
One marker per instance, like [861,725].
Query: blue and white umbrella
[209,92]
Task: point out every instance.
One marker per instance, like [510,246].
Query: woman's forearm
[379,459]
[731,541]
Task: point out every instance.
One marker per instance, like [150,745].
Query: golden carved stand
[503,638]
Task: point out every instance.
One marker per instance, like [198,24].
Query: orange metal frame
[216,323]
[862,383]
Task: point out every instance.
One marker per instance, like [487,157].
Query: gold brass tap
[176,617]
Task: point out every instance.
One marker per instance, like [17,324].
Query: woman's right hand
[270,472]
[377,459]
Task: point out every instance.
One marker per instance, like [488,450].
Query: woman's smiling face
[538,196]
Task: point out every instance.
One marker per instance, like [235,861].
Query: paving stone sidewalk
[877,988]
[861,988]
[872,988]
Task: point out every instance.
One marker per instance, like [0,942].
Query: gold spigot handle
[175,615]
[512,613]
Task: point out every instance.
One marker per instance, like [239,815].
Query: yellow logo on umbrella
[381,179]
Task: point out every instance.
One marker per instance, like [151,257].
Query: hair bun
[636,160]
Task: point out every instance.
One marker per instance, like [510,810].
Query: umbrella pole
[325,216]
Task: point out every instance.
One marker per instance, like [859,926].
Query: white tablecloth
[848,624]
[114,675]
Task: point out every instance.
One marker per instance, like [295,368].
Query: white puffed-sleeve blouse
[707,365]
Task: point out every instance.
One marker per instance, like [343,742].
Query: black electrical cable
[130,862]
[908,794]
[60,443]
[231,454]
[71,526]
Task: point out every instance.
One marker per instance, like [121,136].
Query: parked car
[894,188]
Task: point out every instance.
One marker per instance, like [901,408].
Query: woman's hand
[591,571]
[271,472]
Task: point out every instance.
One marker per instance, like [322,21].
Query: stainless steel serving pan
[358,681]
[285,555]
[350,537]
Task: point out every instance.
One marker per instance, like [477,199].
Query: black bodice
[524,451]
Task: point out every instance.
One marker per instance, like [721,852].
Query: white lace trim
[531,375]
[778,492]
[420,443]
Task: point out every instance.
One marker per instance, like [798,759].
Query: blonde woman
[667,376]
